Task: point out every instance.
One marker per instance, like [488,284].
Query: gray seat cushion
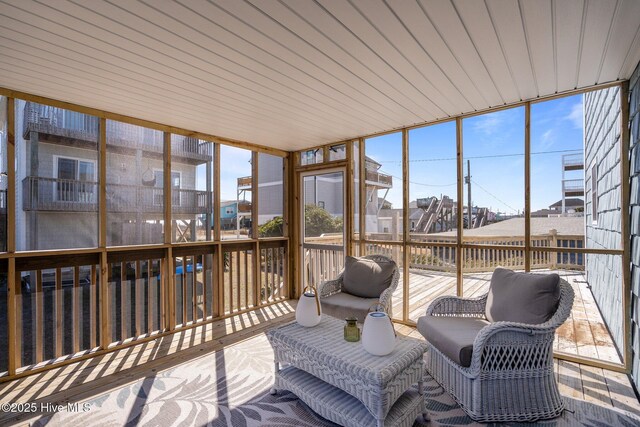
[366,278]
[453,336]
[522,297]
[343,305]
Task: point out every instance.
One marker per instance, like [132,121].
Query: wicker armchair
[338,303]
[510,375]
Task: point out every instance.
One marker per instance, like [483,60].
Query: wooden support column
[255,211]
[103,278]
[527,186]
[11,176]
[216,191]
[14,347]
[460,206]
[12,335]
[288,267]
[625,226]
[406,249]
[349,194]
[169,283]
[293,227]
[363,193]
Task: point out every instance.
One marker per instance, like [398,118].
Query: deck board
[91,377]
[583,334]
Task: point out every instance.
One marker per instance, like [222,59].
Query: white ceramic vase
[309,310]
[378,335]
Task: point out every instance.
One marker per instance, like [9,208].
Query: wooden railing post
[553,243]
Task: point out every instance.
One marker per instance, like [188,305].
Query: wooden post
[349,192]
[169,271]
[405,224]
[553,243]
[255,215]
[12,287]
[363,194]
[460,209]
[625,226]
[527,186]
[103,280]
[12,332]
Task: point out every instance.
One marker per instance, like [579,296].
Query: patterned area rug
[231,388]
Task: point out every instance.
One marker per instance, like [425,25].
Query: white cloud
[576,115]
[547,139]
[488,123]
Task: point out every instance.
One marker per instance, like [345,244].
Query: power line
[494,196]
[493,156]
[420,183]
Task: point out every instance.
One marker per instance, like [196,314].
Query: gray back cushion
[366,278]
[522,297]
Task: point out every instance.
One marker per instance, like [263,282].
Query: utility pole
[467,180]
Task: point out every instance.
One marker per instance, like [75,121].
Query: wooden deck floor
[583,334]
[88,378]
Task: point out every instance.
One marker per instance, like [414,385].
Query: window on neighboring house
[158,195]
[321,204]
[75,180]
[594,193]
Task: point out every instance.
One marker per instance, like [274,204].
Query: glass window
[56,178]
[493,170]
[311,157]
[192,194]
[432,183]
[271,195]
[135,196]
[383,187]
[235,193]
[337,152]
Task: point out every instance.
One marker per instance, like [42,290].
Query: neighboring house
[231,210]
[56,183]
[572,206]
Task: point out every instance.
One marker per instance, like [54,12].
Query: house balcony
[59,126]
[375,179]
[244,183]
[572,162]
[573,187]
[64,195]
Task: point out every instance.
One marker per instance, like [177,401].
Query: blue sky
[494,145]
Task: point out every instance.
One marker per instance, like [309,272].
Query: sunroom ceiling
[296,73]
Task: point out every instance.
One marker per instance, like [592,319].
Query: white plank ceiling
[293,74]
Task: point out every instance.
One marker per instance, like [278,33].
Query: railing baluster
[238,281]
[123,301]
[58,297]
[39,309]
[92,308]
[139,304]
[76,309]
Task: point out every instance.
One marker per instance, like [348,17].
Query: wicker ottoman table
[342,382]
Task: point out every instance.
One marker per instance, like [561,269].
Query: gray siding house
[603,220]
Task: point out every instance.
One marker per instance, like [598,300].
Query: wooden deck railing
[64,310]
[437,253]
[52,194]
